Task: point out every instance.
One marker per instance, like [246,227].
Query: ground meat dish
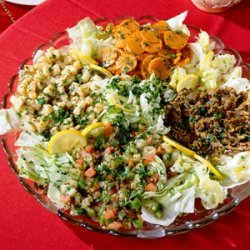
[210,123]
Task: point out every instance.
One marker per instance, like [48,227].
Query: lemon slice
[206,61]
[100,70]
[209,165]
[66,141]
[115,101]
[193,154]
[178,146]
[190,81]
[91,128]
[84,59]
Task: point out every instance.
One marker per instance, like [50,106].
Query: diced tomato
[133,134]
[151,187]
[108,129]
[90,149]
[79,163]
[131,162]
[90,172]
[109,150]
[154,178]
[109,213]
[160,151]
[149,158]
[65,199]
[95,187]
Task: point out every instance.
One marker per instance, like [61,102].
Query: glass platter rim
[158,231]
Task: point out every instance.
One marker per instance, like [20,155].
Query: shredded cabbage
[9,120]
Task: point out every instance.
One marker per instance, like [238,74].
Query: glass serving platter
[182,224]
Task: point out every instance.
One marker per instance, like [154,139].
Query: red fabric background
[24,224]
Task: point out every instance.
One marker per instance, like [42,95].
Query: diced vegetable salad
[97,134]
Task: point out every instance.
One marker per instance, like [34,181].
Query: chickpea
[47,109]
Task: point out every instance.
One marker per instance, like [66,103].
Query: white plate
[26,2]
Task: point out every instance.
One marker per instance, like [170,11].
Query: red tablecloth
[24,224]
[16,10]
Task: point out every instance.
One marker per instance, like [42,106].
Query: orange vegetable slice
[150,35]
[166,53]
[121,35]
[130,24]
[134,44]
[126,62]
[152,47]
[161,26]
[175,40]
[108,56]
[144,66]
[161,67]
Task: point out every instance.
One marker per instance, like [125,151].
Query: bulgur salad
[132,124]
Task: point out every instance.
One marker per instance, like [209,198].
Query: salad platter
[134,127]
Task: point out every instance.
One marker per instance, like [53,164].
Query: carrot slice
[166,53]
[175,40]
[130,24]
[126,62]
[152,47]
[150,35]
[160,67]
[134,44]
[144,66]
[121,35]
[108,56]
[161,26]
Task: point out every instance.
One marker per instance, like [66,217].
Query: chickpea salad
[105,122]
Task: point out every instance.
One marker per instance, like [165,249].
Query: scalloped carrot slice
[108,56]
[121,35]
[150,35]
[161,26]
[144,66]
[160,67]
[152,47]
[114,69]
[166,53]
[175,40]
[134,44]
[130,24]
[126,62]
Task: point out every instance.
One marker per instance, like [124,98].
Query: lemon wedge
[206,61]
[87,60]
[100,70]
[91,128]
[115,101]
[192,154]
[66,141]
[190,81]
[84,59]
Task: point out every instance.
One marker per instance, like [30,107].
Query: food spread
[131,124]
